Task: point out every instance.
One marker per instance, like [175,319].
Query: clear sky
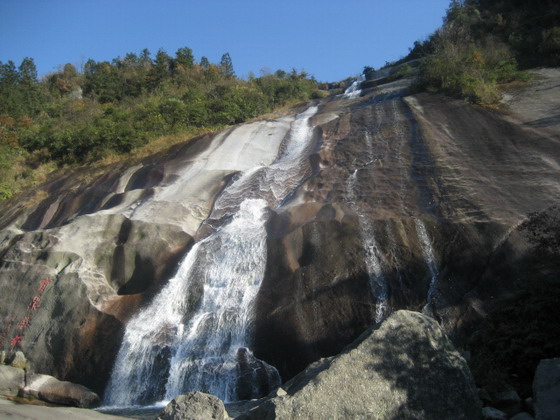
[329,39]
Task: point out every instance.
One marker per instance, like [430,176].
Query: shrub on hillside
[465,68]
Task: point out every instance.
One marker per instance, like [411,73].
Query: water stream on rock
[428,253]
[354,90]
[196,333]
[377,280]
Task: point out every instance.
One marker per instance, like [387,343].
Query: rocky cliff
[401,201]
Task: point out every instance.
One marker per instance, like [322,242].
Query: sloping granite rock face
[420,202]
[448,206]
[406,369]
[79,263]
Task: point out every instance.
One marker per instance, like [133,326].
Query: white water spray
[354,90]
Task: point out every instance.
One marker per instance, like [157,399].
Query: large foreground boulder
[405,369]
[194,406]
[50,389]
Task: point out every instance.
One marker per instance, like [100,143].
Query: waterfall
[196,333]
[428,253]
[377,280]
[354,90]
[231,268]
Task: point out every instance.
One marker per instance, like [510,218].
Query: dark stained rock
[315,296]
[546,389]
[256,378]
[484,396]
[194,406]
[407,368]
[530,405]
[50,389]
[507,401]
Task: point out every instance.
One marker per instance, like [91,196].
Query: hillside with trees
[483,44]
[111,108]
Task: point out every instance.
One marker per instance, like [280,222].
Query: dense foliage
[75,116]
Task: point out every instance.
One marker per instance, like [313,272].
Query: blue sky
[329,39]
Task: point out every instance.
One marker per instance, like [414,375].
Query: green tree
[64,81]
[184,60]
[160,69]
[204,62]
[145,59]
[31,92]
[9,101]
[8,74]
[131,60]
[281,74]
[226,66]
[27,71]
[103,82]
[457,13]
[20,92]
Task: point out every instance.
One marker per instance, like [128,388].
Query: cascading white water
[274,182]
[428,253]
[354,90]
[230,272]
[196,332]
[378,282]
